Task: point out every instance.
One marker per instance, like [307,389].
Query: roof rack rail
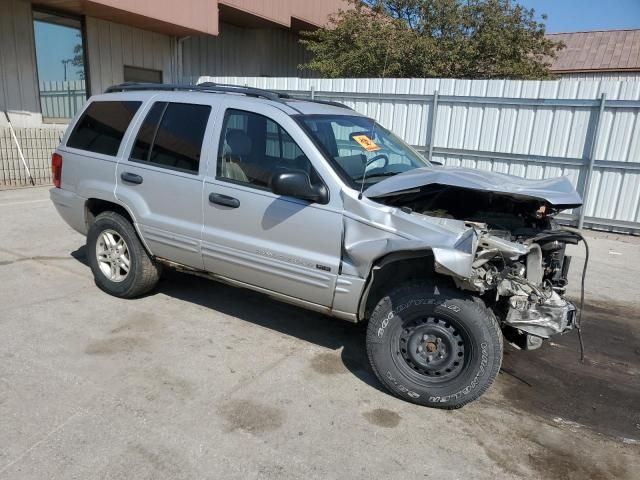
[328,102]
[207,87]
[249,91]
[306,97]
[211,87]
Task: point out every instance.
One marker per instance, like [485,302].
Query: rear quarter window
[102,126]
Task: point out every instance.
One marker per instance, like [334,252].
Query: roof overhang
[242,18]
[191,17]
[162,16]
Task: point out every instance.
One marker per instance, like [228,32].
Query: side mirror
[440,164]
[297,184]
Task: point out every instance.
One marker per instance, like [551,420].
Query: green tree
[78,58]
[432,38]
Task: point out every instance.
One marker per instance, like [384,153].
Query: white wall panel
[18,77]
[243,51]
[621,76]
[111,46]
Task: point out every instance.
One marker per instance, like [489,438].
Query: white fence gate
[586,130]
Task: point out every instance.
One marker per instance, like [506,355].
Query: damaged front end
[524,279]
[511,254]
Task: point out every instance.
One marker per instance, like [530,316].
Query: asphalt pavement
[202,380]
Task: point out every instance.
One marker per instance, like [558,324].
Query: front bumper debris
[554,315]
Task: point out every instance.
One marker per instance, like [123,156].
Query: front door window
[253,147]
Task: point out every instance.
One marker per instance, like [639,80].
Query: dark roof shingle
[609,50]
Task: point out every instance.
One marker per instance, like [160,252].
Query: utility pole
[64,64]
[65,84]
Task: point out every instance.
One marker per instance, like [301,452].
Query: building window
[144,75]
[61,64]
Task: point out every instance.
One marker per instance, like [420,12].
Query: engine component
[542,319]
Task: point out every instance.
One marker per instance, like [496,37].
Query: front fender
[453,262]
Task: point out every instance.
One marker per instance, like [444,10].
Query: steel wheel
[433,348]
[113,256]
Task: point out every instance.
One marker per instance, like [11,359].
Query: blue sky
[580,15]
[55,43]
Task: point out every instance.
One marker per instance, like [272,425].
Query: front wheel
[434,347]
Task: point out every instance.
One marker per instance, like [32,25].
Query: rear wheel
[120,264]
[435,347]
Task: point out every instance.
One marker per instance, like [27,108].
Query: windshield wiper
[381,174]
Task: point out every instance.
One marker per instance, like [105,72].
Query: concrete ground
[201,380]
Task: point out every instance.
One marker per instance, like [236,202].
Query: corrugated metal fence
[586,130]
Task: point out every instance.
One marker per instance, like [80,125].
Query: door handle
[225,200]
[131,178]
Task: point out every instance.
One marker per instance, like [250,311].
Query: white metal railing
[60,99]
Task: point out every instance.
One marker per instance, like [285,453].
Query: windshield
[361,149]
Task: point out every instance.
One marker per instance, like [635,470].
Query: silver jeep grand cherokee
[319,206]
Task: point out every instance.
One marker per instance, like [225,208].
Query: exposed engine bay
[519,265]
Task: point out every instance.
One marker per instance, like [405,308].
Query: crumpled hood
[558,192]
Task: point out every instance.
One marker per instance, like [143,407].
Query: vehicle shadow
[602,393]
[266,312]
[262,310]
[81,255]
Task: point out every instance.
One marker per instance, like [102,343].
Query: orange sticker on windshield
[366,143]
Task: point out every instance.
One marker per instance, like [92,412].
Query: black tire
[143,273]
[433,346]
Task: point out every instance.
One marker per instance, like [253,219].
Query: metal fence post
[592,155]
[69,99]
[432,126]
[313,93]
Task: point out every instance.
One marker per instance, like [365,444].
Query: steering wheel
[376,158]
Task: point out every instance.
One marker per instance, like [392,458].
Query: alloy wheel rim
[113,256]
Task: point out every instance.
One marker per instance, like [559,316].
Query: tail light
[56,169]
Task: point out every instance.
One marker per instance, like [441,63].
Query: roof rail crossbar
[208,87]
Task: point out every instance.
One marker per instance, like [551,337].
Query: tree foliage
[78,57]
[432,38]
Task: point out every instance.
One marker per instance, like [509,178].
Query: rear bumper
[71,208]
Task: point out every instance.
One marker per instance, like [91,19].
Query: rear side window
[102,126]
[171,136]
[147,132]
